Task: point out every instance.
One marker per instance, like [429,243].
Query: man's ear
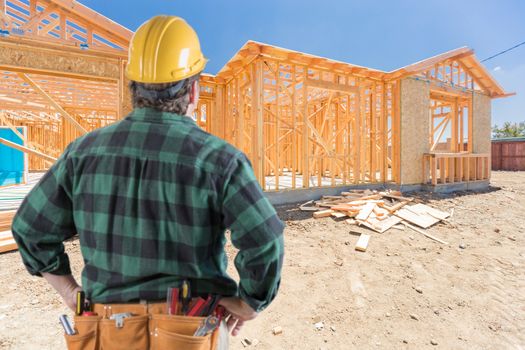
[194,93]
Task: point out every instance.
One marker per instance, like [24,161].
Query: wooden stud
[277,128]
[306,133]
[53,103]
[294,126]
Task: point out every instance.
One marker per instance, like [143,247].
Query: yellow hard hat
[164,49]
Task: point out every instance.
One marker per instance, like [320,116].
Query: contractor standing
[151,196]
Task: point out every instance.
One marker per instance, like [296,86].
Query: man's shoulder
[90,139]
[216,150]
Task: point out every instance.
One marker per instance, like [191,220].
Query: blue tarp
[11,160]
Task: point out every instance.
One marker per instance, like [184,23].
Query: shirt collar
[151,115]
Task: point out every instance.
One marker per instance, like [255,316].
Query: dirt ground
[405,292]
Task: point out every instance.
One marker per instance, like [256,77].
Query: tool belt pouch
[86,336]
[176,332]
[131,333]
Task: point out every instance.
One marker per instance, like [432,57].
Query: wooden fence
[508,154]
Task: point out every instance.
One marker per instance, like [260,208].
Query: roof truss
[62,21]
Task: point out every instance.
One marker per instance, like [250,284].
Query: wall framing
[304,121]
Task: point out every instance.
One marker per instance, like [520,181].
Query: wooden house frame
[62,73]
[304,121]
[311,122]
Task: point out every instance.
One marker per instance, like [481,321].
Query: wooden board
[366,211]
[421,220]
[322,213]
[6,235]
[395,207]
[362,243]
[6,218]
[425,209]
[380,225]
[380,212]
[386,224]
[7,243]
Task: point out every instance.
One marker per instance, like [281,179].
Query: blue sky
[375,33]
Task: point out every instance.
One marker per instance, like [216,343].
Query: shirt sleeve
[256,231]
[44,221]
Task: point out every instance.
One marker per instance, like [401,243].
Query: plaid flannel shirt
[150,198]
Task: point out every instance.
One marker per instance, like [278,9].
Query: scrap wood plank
[342,207]
[6,218]
[424,233]
[352,194]
[347,206]
[403,199]
[331,197]
[386,224]
[338,214]
[380,211]
[392,192]
[6,235]
[368,223]
[366,211]
[7,242]
[352,214]
[8,245]
[362,242]
[425,209]
[322,213]
[306,207]
[381,225]
[336,201]
[421,220]
[331,203]
[361,202]
[372,197]
[395,207]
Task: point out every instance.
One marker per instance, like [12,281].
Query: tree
[509,130]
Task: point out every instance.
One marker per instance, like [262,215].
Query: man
[151,196]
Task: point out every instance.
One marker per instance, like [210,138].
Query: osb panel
[54,60]
[126,105]
[481,106]
[415,124]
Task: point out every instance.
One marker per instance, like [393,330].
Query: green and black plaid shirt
[150,198]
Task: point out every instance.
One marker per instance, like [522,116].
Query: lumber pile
[377,210]
[7,243]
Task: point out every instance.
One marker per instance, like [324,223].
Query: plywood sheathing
[59,61]
[481,116]
[415,124]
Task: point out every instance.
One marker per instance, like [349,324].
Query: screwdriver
[81,299]
[173,297]
[185,296]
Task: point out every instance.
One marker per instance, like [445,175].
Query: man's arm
[66,286]
[256,231]
[42,223]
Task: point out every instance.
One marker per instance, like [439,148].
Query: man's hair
[168,97]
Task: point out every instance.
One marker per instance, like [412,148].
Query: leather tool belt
[144,326]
